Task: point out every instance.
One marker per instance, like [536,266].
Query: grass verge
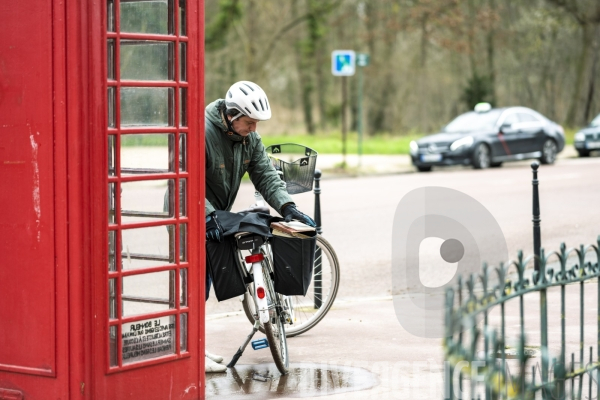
[332,143]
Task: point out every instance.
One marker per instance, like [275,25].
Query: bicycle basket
[297,163]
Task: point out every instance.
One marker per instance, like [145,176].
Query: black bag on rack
[224,270]
[222,258]
[294,259]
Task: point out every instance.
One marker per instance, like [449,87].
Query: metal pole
[344,127]
[317,192]
[537,241]
[317,275]
[360,114]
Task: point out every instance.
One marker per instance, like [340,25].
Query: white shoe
[211,366]
[214,357]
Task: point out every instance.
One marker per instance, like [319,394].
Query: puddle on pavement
[246,382]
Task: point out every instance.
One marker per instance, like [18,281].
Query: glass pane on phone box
[183,285]
[147,16]
[146,201]
[182,152]
[111,101]
[145,153]
[183,107]
[111,155]
[148,247]
[147,106]
[183,322]
[182,18]
[112,266]
[139,290]
[146,60]
[110,59]
[183,61]
[147,339]
[112,340]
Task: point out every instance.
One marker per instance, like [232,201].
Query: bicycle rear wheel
[274,329]
[306,311]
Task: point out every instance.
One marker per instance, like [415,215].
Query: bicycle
[269,311]
[298,173]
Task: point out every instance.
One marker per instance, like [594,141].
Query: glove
[214,230]
[291,212]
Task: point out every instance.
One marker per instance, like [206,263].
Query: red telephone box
[101,149]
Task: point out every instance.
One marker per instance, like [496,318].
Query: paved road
[362,330]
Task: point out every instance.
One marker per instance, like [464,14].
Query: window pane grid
[170,226]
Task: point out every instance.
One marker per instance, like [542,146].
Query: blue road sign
[343,62]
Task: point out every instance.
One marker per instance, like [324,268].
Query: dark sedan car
[588,139]
[487,137]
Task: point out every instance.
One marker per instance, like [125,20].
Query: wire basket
[297,163]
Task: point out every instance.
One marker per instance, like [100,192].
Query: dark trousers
[208,282]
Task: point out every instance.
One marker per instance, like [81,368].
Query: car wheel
[549,152]
[481,156]
[583,153]
[496,164]
[424,168]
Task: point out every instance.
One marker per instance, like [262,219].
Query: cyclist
[233,147]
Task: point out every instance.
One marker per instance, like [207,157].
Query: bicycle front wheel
[306,311]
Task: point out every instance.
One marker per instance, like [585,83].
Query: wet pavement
[249,382]
[362,331]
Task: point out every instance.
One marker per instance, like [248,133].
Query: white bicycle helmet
[249,99]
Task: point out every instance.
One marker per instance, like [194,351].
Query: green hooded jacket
[228,157]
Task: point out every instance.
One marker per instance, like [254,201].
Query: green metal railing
[479,362]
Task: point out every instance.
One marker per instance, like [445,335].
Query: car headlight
[466,141]
[414,148]
[580,137]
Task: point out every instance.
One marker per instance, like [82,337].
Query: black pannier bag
[294,259]
[222,264]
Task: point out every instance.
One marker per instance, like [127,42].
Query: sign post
[343,64]
[362,60]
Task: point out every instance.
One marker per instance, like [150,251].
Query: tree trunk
[305,80]
[593,72]
[575,116]
[471,38]
[250,59]
[490,52]
[315,44]
[424,40]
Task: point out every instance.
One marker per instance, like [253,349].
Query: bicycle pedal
[260,344]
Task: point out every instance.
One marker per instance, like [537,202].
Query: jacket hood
[214,116]
[211,112]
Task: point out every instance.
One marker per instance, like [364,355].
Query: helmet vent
[261,104]
[266,103]
[254,104]
[251,88]
[249,112]
[229,94]
[243,91]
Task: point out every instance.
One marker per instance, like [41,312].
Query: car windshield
[595,121]
[473,121]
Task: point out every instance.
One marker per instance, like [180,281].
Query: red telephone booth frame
[77,331]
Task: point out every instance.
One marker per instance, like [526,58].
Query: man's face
[244,125]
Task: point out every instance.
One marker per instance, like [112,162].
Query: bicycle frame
[260,293]
[254,243]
